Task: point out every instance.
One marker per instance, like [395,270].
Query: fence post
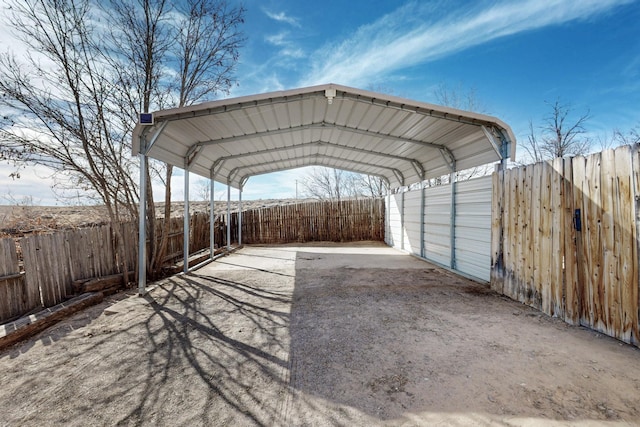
[635,191]
[497,230]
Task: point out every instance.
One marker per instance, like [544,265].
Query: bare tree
[328,184]
[136,48]
[561,134]
[198,41]
[630,137]
[335,184]
[459,97]
[372,186]
[464,99]
[206,50]
[59,107]
[532,147]
[72,105]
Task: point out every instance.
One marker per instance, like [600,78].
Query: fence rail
[564,239]
[53,262]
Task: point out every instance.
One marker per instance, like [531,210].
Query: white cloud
[33,186]
[408,36]
[288,47]
[283,17]
[277,39]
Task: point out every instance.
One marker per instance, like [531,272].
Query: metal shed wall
[472,225]
[394,220]
[437,222]
[412,201]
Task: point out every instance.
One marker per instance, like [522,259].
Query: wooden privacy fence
[564,239]
[198,235]
[352,220]
[53,262]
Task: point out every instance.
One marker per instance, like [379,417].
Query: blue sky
[515,56]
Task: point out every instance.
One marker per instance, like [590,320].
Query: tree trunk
[166,223]
[151,223]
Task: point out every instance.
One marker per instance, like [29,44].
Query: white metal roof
[401,140]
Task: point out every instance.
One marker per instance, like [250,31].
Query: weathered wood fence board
[15,297]
[52,262]
[586,276]
[352,220]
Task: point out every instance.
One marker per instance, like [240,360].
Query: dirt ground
[322,334]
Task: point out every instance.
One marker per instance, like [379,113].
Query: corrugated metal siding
[437,218]
[395,221]
[412,202]
[473,227]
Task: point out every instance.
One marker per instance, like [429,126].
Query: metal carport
[400,140]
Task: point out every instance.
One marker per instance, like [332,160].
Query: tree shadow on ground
[222,334]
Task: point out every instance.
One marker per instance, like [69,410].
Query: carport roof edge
[403,140]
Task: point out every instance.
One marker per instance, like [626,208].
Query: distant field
[19,220]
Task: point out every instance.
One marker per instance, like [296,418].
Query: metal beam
[449,158]
[240,217]
[452,220]
[221,109]
[402,223]
[388,237]
[193,153]
[228,217]
[415,109]
[186,216]
[154,137]
[235,171]
[212,218]
[217,165]
[245,178]
[427,112]
[399,176]
[505,149]
[492,140]
[320,125]
[422,208]
[142,227]
[417,166]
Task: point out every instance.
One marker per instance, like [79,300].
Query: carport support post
[402,220]
[185,236]
[142,225]
[240,217]
[228,216]
[452,220]
[422,252]
[388,217]
[212,219]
